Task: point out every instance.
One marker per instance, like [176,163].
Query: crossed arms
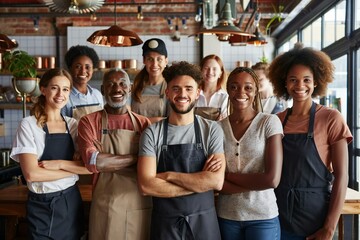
[174,184]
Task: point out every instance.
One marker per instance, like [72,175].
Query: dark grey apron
[57,215]
[187,217]
[303,194]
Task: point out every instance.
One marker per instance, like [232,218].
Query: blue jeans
[290,236]
[250,230]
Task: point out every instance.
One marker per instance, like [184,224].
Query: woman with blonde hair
[44,146]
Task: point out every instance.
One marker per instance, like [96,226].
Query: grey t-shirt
[151,139]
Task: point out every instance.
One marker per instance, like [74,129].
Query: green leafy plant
[277,16]
[20,64]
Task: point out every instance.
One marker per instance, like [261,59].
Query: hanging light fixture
[225,27]
[258,39]
[6,44]
[74,6]
[115,36]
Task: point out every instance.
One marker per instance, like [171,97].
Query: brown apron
[79,111]
[151,105]
[118,210]
[211,113]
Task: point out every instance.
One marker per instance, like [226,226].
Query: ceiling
[271,14]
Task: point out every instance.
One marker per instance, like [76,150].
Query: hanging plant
[277,16]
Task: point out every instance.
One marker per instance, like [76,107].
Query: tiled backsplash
[186,49]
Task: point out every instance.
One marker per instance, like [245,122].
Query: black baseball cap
[154,45]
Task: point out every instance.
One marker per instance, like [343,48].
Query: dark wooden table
[12,205]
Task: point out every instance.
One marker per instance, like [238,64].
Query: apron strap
[46,129]
[104,121]
[197,134]
[162,89]
[310,133]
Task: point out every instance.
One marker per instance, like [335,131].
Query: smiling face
[81,70]
[211,71]
[182,93]
[300,83]
[155,64]
[242,91]
[116,89]
[56,92]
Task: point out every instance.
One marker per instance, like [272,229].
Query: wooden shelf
[14,105]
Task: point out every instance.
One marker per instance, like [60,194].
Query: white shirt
[218,100]
[30,138]
[247,156]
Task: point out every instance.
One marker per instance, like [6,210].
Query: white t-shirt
[247,156]
[30,138]
[218,100]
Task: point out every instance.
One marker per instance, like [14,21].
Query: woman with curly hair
[81,62]
[314,176]
[44,146]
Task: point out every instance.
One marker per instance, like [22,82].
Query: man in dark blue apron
[181,162]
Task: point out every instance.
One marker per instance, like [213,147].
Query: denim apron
[118,210]
[186,217]
[56,215]
[303,194]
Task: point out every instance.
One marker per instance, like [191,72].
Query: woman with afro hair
[314,176]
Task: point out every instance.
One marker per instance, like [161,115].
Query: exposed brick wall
[150,25]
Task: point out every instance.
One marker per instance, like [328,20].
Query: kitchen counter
[13,198]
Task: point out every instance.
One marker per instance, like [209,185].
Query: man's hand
[212,164]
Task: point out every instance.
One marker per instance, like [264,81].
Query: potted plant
[20,64]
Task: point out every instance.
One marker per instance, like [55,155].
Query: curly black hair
[318,61]
[183,68]
[78,51]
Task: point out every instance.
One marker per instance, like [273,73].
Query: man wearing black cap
[148,91]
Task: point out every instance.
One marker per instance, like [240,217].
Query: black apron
[303,194]
[56,215]
[186,217]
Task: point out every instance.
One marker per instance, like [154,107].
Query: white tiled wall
[186,49]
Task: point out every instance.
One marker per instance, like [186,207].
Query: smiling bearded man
[109,147]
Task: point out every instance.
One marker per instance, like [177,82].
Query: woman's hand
[51,164]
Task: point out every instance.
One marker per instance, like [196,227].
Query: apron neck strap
[104,121]
[46,129]
[197,133]
[310,133]
[162,89]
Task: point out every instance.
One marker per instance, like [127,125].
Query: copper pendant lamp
[115,36]
[258,39]
[6,44]
[225,28]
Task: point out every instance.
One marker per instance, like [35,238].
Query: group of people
[160,148]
